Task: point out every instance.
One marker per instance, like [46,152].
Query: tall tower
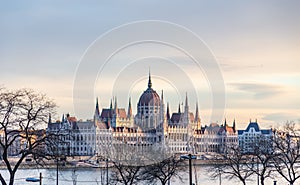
[149,108]
[197,118]
[186,113]
[97,113]
[129,112]
[162,109]
[168,113]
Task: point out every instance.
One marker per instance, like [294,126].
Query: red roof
[71,119]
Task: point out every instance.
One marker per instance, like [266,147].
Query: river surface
[93,176]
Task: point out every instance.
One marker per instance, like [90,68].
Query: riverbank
[78,164]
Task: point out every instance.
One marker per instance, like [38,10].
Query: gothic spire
[149,80]
[97,113]
[186,106]
[179,108]
[116,105]
[129,112]
[186,110]
[110,104]
[233,126]
[186,100]
[97,107]
[197,117]
[168,112]
[49,120]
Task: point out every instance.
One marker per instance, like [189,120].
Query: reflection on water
[94,176]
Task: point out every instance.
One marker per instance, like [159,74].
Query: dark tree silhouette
[124,173]
[233,164]
[263,156]
[163,171]
[23,114]
[287,149]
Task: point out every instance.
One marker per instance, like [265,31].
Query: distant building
[215,138]
[17,142]
[74,138]
[253,137]
[152,126]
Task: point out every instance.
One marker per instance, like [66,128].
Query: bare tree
[163,171]
[233,164]
[287,148]
[23,115]
[263,156]
[124,173]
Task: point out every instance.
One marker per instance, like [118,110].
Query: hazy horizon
[254,44]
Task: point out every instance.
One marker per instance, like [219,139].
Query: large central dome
[149,97]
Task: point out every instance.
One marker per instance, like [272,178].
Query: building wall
[253,137]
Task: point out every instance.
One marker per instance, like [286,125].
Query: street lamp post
[189,157]
[107,171]
[190,168]
[257,171]
[220,178]
[56,171]
[41,178]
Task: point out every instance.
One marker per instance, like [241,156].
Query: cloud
[281,117]
[259,91]
[236,67]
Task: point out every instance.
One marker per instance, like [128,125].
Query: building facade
[253,137]
[74,138]
[152,127]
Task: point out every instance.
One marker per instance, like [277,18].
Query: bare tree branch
[23,115]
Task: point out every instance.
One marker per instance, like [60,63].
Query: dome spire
[149,80]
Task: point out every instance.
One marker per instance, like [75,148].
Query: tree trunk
[163,182]
[262,180]
[2,180]
[244,182]
[12,178]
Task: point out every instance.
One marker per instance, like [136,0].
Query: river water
[92,176]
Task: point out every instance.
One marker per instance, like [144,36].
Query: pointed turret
[186,100]
[186,107]
[162,107]
[97,113]
[97,107]
[111,107]
[168,112]
[49,119]
[225,125]
[179,108]
[186,111]
[197,117]
[63,118]
[116,106]
[129,112]
[233,126]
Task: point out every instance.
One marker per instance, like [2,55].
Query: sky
[250,47]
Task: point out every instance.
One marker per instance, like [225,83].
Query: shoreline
[84,165]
